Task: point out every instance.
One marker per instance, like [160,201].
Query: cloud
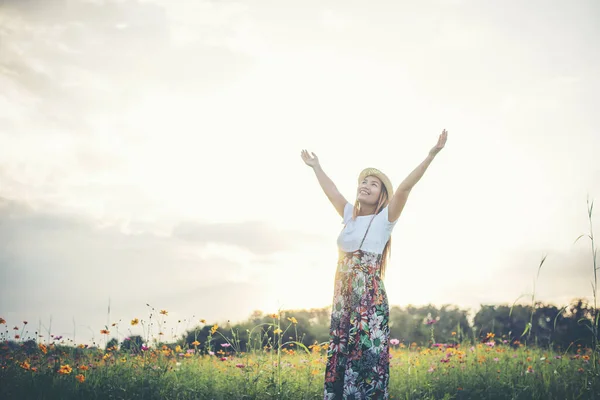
[53,260]
[564,276]
[256,237]
[69,62]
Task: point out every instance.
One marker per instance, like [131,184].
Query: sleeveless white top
[379,233]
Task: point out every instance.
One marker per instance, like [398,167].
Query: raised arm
[331,191]
[400,197]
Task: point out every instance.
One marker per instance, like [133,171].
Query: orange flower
[65,369]
[164,312]
[105,331]
[25,365]
[135,321]
[43,348]
[195,343]
[202,321]
[83,367]
[2,321]
[80,378]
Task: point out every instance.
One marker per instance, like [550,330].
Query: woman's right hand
[311,161]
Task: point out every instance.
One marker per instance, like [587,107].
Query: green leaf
[527,328]
[557,315]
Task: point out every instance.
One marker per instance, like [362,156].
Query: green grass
[482,371]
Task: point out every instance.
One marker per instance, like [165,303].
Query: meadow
[276,365]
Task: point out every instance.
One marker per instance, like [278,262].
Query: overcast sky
[150,152]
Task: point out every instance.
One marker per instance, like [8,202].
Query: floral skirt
[358,356]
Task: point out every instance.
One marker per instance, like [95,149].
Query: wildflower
[394,342]
[223,358]
[43,348]
[202,321]
[164,312]
[453,333]
[65,369]
[104,331]
[144,348]
[195,343]
[530,370]
[16,328]
[212,353]
[491,343]
[2,321]
[24,322]
[80,378]
[25,365]
[83,367]
[135,321]
[240,365]
[292,320]
[225,344]
[490,335]
[276,331]
[214,329]
[496,359]
[17,336]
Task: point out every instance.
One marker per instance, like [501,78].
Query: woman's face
[369,190]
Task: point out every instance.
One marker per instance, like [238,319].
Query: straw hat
[383,177]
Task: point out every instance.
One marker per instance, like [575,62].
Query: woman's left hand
[440,144]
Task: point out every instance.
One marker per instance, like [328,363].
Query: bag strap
[367,231]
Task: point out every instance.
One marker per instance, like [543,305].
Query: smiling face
[369,191]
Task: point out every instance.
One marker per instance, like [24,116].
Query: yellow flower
[214,329]
[273,316]
[80,378]
[178,349]
[276,331]
[292,320]
[195,343]
[453,333]
[65,369]
[135,321]
[164,312]
[202,321]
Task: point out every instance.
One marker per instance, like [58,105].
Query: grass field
[491,369]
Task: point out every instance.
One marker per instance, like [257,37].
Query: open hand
[311,161]
[440,144]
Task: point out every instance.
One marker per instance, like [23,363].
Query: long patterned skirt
[358,356]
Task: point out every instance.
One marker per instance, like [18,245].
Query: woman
[358,354]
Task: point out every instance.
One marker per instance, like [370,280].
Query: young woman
[358,354]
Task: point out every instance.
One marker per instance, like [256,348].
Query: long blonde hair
[381,204]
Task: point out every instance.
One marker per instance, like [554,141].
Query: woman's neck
[366,210]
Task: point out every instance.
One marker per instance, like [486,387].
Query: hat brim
[381,176]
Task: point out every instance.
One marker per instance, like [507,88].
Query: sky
[150,153]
